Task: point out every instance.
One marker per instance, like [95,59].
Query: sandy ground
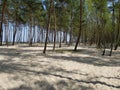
[26,68]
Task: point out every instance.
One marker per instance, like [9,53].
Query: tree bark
[14,33]
[54,27]
[48,27]
[112,33]
[118,32]
[31,31]
[60,39]
[6,34]
[2,19]
[80,29]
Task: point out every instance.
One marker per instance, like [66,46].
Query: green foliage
[97,14]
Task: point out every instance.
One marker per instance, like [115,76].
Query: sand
[26,68]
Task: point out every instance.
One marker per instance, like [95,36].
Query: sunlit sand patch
[27,67]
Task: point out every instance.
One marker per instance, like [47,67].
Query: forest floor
[26,68]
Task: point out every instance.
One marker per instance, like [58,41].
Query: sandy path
[26,68]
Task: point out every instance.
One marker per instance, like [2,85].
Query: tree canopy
[69,21]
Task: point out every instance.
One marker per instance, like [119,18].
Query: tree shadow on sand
[10,67]
[91,57]
[19,68]
[22,87]
[88,60]
[60,85]
[94,60]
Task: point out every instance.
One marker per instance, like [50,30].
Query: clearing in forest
[26,68]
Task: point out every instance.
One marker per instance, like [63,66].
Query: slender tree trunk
[104,50]
[2,19]
[42,37]
[54,27]
[14,33]
[60,39]
[80,29]
[71,24]
[34,29]
[48,27]
[118,32]
[6,34]
[66,37]
[70,40]
[104,38]
[85,36]
[112,32]
[31,31]
[57,33]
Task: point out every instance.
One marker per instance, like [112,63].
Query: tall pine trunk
[6,34]
[2,19]
[54,26]
[60,39]
[112,32]
[31,31]
[80,28]
[14,33]
[48,27]
[118,32]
